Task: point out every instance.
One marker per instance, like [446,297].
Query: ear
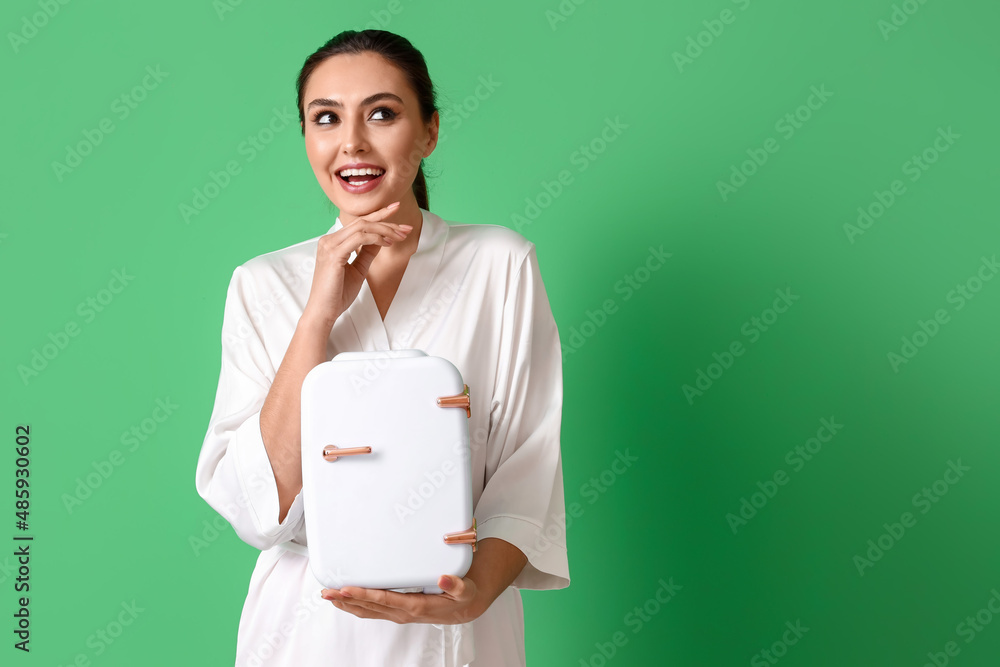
[433,130]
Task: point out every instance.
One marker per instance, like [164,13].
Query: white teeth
[361,172]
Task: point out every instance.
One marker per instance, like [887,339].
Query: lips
[360,177]
[359,172]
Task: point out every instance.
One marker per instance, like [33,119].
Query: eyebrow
[327,102]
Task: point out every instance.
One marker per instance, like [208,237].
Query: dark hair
[398,51]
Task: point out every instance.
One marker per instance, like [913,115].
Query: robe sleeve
[234,473]
[522,501]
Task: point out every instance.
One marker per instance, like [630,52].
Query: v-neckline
[421,267]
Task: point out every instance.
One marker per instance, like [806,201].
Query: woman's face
[359,108]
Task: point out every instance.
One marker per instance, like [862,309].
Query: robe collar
[399,328]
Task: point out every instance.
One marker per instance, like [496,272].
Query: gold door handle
[463,537]
[457,401]
[332,452]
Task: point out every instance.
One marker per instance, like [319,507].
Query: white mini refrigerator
[386,474]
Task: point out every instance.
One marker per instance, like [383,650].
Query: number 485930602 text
[21,473]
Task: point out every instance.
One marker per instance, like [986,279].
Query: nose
[355,136]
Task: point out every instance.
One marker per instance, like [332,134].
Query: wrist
[316,323]
[481,601]
[487,590]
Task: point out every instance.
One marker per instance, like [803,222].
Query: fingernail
[346,594]
[393,204]
[406,226]
[446,583]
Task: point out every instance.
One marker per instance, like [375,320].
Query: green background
[687,125]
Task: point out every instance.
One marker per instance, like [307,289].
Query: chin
[359,205]
[357,209]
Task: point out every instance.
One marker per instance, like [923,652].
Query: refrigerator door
[386,478]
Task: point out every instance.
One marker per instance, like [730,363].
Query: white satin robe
[472,294]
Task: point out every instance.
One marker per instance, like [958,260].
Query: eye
[320,114]
[386,111]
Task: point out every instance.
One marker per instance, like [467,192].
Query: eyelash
[390,114]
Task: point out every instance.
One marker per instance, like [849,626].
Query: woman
[389,275]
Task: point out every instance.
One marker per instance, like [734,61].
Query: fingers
[359,611]
[362,233]
[455,605]
[372,603]
[389,230]
[368,609]
[375,597]
[383,213]
[369,230]
[375,223]
[363,239]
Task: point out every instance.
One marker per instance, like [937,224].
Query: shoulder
[496,237]
[285,267]
[283,257]
[495,243]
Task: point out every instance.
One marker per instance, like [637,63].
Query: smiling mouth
[360,176]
